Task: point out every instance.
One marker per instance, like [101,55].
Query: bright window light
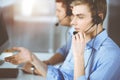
[42,7]
[27,6]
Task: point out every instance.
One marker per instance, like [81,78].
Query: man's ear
[100,15]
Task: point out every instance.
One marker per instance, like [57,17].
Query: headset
[96,18]
[57,24]
[68,10]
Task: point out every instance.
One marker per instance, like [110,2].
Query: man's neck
[96,31]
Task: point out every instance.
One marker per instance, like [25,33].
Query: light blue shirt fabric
[106,62]
[64,50]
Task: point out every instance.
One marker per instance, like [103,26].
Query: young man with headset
[92,56]
[64,14]
[96,56]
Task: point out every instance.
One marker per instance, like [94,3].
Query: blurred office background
[31,24]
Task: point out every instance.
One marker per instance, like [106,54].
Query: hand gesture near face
[78,44]
[78,47]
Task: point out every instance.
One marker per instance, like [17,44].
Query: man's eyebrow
[79,14]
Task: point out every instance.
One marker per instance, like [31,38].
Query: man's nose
[73,21]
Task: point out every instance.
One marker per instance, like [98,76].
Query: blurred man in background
[64,14]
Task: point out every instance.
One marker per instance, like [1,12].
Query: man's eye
[80,17]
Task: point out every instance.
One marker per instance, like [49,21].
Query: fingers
[8,50]
[17,48]
[79,37]
[26,68]
[13,59]
[14,49]
[10,59]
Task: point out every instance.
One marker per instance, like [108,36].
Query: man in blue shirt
[92,55]
[64,14]
[96,56]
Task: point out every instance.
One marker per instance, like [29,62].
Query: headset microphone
[57,24]
[90,28]
[75,32]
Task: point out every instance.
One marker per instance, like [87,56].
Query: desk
[23,76]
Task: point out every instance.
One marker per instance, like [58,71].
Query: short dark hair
[96,6]
[66,4]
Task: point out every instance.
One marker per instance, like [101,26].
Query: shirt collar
[98,40]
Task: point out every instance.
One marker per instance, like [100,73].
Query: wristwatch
[32,69]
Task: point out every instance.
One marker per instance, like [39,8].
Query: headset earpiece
[68,8]
[97,19]
[68,11]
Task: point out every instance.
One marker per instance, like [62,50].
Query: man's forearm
[79,67]
[40,67]
[57,58]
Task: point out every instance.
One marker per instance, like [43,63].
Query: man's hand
[22,56]
[78,44]
[27,69]
[25,56]
[78,47]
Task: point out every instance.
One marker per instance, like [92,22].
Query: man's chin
[64,24]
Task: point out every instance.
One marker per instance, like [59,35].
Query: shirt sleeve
[56,74]
[64,49]
[82,78]
[107,68]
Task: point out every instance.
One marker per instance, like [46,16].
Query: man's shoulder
[109,49]
[110,44]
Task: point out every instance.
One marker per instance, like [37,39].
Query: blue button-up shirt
[105,66]
[64,50]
